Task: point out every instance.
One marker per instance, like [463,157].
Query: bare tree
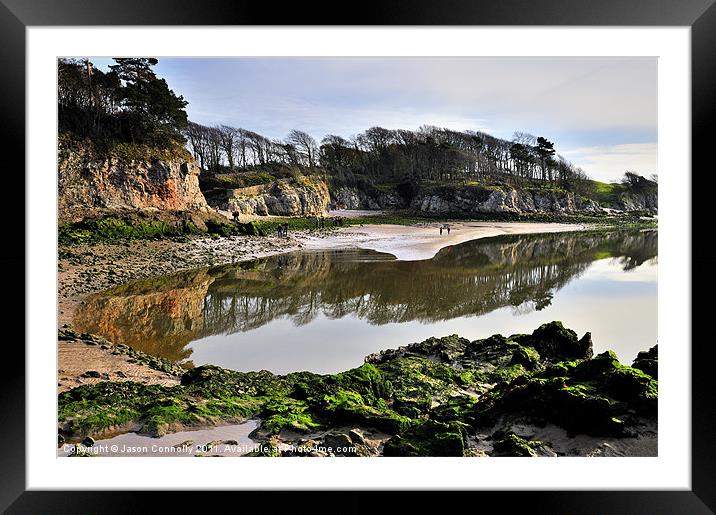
[259,146]
[524,138]
[213,143]
[228,139]
[196,136]
[305,145]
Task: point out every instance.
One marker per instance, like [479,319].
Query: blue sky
[600,112]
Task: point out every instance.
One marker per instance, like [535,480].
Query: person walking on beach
[448,229]
[441,230]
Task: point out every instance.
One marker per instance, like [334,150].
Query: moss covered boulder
[648,362]
[511,445]
[555,342]
[428,438]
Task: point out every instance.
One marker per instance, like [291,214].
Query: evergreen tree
[545,150]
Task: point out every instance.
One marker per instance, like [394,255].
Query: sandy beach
[416,242]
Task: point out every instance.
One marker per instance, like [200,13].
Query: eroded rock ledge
[440,397]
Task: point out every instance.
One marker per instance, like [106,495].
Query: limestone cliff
[154,184]
[641,201]
[354,198]
[468,200]
[281,198]
[503,201]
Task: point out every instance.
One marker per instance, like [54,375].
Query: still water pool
[324,311]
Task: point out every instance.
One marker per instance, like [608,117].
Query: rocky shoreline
[499,396]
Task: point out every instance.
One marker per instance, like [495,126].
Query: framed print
[420,246]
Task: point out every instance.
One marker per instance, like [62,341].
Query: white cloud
[608,163]
[565,93]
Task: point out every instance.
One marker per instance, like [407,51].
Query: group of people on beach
[446,227]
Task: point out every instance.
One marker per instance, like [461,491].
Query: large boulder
[555,342]
[428,438]
[648,361]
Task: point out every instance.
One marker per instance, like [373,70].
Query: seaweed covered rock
[357,397]
[593,397]
[432,398]
[446,349]
[509,444]
[279,413]
[555,342]
[418,382]
[526,356]
[459,360]
[648,361]
[620,382]
[428,438]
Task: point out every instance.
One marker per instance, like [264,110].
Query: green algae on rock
[511,445]
[433,398]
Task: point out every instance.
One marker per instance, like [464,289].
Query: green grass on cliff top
[125,152]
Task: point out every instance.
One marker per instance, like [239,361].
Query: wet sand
[416,242]
[80,363]
[558,442]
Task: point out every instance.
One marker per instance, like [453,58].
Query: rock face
[503,201]
[646,201]
[354,198]
[466,201]
[281,198]
[171,185]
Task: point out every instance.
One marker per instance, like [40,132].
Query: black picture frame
[700,15]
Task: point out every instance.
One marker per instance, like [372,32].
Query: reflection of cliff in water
[474,278]
[159,316]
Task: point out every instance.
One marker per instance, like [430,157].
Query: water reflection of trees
[468,279]
[163,315]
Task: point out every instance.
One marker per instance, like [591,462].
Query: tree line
[384,155]
[226,148]
[129,103]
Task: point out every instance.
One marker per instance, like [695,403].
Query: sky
[600,112]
